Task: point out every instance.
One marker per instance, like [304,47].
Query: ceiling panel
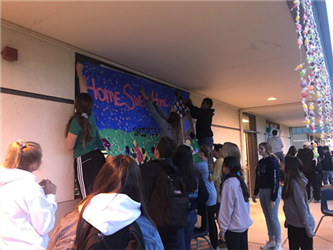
[238,52]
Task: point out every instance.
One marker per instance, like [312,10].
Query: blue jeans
[271,215]
[185,235]
[328,175]
[206,141]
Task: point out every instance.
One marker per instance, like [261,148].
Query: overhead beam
[272,106]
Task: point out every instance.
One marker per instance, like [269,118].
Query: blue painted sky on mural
[117,101]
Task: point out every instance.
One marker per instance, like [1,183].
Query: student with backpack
[196,189]
[27,208]
[234,217]
[165,193]
[113,216]
[82,136]
[205,167]
[299,220]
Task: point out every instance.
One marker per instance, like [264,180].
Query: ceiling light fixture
[271,99]
[244,120]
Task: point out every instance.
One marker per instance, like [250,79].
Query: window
[272,124]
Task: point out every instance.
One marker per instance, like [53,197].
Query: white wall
[47,67]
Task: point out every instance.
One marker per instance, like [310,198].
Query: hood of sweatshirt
[111,212]
[8,175]
[267,160]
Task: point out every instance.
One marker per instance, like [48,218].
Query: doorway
[250,149]
[251,159]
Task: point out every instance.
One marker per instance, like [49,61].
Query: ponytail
[233,164]
[206,150]
[243,185]
[13,156]
[83,107]
[85,124]
[22,155]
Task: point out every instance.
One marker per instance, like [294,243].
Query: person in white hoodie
[299,220]
[234,216]
[27,208]
[116,203]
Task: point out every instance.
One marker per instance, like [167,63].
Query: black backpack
[128,238]
[169,202]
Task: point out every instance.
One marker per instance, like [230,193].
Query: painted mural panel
[122,118]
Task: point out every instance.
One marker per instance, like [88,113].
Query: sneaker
[269,245]
[316,201]
[278,246]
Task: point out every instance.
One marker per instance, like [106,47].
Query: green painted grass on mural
[117,140]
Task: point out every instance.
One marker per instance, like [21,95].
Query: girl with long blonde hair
[231,149]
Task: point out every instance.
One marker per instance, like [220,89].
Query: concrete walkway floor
[257,235]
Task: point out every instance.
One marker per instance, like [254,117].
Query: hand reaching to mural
[179,96]
[151,96]
[79,68]
[143,93]
[82,80]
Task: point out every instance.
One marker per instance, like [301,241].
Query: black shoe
[222,244]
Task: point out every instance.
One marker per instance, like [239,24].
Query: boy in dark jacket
[309,170]
[327,166]
[204,116]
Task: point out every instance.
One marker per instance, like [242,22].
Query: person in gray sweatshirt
[299,220]
[170,125]
[234,216]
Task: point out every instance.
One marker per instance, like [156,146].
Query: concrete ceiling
[238,52]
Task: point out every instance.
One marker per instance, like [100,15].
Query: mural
[122,118]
